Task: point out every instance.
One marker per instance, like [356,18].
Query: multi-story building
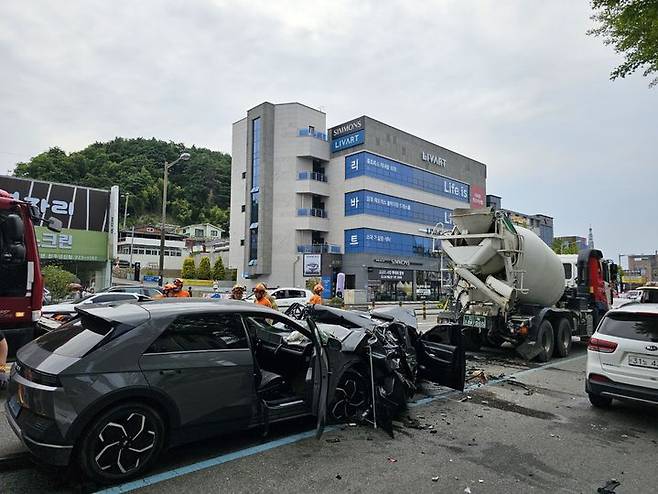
[142,245]
[643,266]
[201,231]
[540,224]
[358,198]
[569,240]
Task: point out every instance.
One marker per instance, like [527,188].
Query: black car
[115,386]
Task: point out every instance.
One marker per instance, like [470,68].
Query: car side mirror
[54,225]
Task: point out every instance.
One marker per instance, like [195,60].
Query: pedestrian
[176,290]
[237,292]
[189,290]
[316,298]
[260,292]
[4,370]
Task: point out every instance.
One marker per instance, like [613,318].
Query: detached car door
[204,363]
[441,356]
[320,378]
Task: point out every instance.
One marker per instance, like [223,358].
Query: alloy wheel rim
[350,400]
[124,444]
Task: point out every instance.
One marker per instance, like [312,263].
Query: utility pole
[183,157]
[125,210]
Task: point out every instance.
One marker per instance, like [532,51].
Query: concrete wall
[238,195]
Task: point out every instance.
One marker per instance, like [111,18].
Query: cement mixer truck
[510,287]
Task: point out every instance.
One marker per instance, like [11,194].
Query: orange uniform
[263,301]
[180,293]
[315,299]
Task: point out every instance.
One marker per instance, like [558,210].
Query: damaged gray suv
[115,386]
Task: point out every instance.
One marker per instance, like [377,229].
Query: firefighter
[237,292]
[261,296]
[316,298]
[178,291]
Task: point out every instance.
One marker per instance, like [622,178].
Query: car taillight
[36,376]
[598,378]
[603,346]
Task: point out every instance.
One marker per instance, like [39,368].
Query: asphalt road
[538,435]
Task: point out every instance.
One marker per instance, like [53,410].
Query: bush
[335,302]
[218,271]
[311,282]
[57,281]
[189,269]
[203,272]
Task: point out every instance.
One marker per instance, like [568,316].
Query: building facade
[540,224]
[201,231]
[88,240]
[569,240]
[142,245]
[358,198]
[642,268]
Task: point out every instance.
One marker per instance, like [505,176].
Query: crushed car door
[441,355]
[320,378]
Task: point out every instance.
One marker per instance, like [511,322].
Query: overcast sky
[515,84]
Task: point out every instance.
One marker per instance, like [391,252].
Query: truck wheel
[563,338]
[472,339]
[546,341]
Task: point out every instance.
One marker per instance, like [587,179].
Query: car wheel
[546,341]
[599,401]
[352,398]
[121,443]
[563,338]
[472,339]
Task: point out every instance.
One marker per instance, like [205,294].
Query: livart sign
[435,159]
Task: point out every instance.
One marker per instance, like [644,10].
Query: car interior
[282,357]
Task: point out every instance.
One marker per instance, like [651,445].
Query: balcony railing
[306,175]
[312,133]
[318,249]
[318,213]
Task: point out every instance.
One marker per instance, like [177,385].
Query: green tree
[198,188]
[631,27]
[563,247]
[311,282]
[57,280]
[204,272]
[189,269]
[218,270]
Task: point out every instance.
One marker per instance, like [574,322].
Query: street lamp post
[182,157]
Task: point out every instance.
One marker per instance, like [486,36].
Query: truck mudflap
[529,349]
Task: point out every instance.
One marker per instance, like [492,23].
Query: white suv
[622,356]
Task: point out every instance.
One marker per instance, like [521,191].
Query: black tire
[121,443]
[352,398]
[546,341]
[472,339]
[563,338]
[599,401]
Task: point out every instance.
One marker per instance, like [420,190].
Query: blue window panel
[368,240]
[369,202]
[348,141]
[392,171]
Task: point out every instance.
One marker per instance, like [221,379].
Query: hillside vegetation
[198,191]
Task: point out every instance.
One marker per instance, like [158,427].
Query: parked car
[54,315]
[285,297]
[148,291]
[118,384]
[643,295]
[622,356]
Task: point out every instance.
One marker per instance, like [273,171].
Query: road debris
[435,479]
[333,440]
[467,490]
[528,390]
[465,398]
[480,375]
[338,476]
[392,460]
[609,487]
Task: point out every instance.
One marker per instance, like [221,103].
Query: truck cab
[21,284]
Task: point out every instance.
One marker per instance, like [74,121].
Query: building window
[198,232]
[243,208]
[255,184]
[311,130]
[244,174]
[213,233]
[241,242]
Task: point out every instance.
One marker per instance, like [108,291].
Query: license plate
[475,321]
[15,407]
[641,361]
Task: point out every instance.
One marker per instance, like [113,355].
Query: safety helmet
[260,288]
[237,287]
[178,282]
[318,287]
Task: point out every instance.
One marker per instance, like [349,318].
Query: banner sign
[348,141]
[478,197]
[72,245]
[361,240]
[312,264]
[80,208]
[347,128]
[369,202]
[372,165]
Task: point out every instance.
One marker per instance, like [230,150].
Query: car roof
[635,308]
[170,306]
